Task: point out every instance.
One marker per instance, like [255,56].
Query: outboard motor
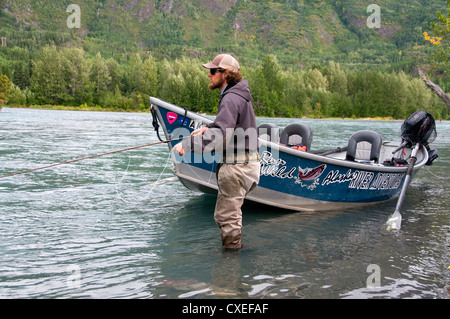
[420,128]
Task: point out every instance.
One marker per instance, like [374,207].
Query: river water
[121,225]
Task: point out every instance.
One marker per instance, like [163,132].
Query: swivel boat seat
[297,134]
[269,132]
[364,145]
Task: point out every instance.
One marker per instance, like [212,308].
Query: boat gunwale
[300,154]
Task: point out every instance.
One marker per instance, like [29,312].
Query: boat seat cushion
[297,134]
[269,132]
[363,150]
[364,145]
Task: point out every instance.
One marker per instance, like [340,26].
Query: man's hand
[200,131]
[179,149]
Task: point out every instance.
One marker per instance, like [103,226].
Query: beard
[217,84]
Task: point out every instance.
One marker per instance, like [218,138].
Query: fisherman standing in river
[238,173]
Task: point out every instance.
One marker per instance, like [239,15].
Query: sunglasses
[214,71]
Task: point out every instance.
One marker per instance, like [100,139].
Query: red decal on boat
[312,174]
[171,117]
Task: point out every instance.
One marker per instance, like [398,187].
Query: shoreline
[75,108]
[147,110]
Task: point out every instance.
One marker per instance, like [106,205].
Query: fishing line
[94,156]
[441,137]
[165,166]
[154,184]
[436,176]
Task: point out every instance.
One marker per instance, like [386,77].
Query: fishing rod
[94,156]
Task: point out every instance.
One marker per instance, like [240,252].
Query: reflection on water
[133,231]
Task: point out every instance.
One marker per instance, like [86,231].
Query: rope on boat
[94,156]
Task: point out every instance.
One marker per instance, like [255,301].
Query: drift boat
[295,177]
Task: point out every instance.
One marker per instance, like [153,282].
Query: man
[235,123]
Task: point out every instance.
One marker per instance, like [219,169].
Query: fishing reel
[419,128]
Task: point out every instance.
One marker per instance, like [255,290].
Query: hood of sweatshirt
[240,88]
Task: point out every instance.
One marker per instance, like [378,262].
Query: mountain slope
[298,32]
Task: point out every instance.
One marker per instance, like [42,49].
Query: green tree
[112,99]
[185,82]
[441,40]
[260,93]
[337,78]
[6,89]
[314,79]
[18,97]
[61,76]
[295,94]
[395,99]
[99,77]
[48,79]
[21,74]
[76,75]
[170,84]
[116,73]
[141,76]
[149,81]
[272,73]
[268,83]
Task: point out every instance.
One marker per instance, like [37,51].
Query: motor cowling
[420,128]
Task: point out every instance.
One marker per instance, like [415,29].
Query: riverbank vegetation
[68,77]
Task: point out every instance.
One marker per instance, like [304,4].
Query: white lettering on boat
[310,177]
[306,177]
[365,180]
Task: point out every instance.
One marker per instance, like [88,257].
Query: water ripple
[122,226]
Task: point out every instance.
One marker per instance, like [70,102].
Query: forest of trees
[69,77]
[316,59]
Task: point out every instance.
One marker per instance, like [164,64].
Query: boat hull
[289,178]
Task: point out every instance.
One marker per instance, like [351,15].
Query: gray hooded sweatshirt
[234,128]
